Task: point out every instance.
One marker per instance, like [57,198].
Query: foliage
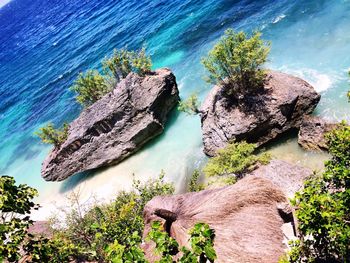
[55,250]
[190,105]
[201,240]
[236,62]
[50,135]
[141,63]
[90,87]
[323,207]
[194,185]
[122,62]
[106,231]
[15,205]
[236,158]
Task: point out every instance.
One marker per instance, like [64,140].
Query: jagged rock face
[115,126]
[281,106]
[312,132]
[247,218]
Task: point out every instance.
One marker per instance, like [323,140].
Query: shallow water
[45,44]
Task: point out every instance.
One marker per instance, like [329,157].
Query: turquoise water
[44,45]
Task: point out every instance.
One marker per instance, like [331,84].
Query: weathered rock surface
[281,106]
[115,126]
[247,218]
[288,177]
[312,131]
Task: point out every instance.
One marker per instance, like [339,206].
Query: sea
[45,44]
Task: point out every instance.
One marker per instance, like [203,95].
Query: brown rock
[312,133]
[247,218]
[288,177]
[116,126]
[281,106]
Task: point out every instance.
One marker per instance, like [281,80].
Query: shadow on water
[70,183]
[283,138]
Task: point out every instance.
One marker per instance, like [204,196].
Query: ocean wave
[321,81]
[278,18]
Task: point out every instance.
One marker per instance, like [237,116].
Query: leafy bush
[15,205]
[141,62]
[90,87]
[50,135]
[190,105]
[194,185]
[201,241]
[236,158]
[323,207]
[122,62]
[103,230]
[236,62]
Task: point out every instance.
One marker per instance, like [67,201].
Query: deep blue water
[45,44]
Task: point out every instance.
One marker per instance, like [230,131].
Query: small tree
[194,185]
[50,135]
[141,62]
[15,206]
[90,87]
[323,207]
[190,105]
[236,62]
[236,158]
[118,66]
[201,241]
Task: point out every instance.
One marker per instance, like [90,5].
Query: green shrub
[236,158]
[194,185]
[97,231]
[190,105]
[118,66]
[90,87]
[50,135]
[141,62]
[236,62]
[15,206]
[201,241]
[323,207]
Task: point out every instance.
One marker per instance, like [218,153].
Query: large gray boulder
[115,126]
[281,106]
[312,133]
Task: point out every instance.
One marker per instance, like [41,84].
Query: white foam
[321,81]
[279,18]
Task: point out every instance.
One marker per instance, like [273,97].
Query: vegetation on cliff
[236,158]
[104,233]
[50,135]
[93,85]
[323,207]
[236,62]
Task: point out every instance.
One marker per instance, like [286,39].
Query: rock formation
[312,131]
[288,177]
[281,106]
[247,218]
[115,126]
